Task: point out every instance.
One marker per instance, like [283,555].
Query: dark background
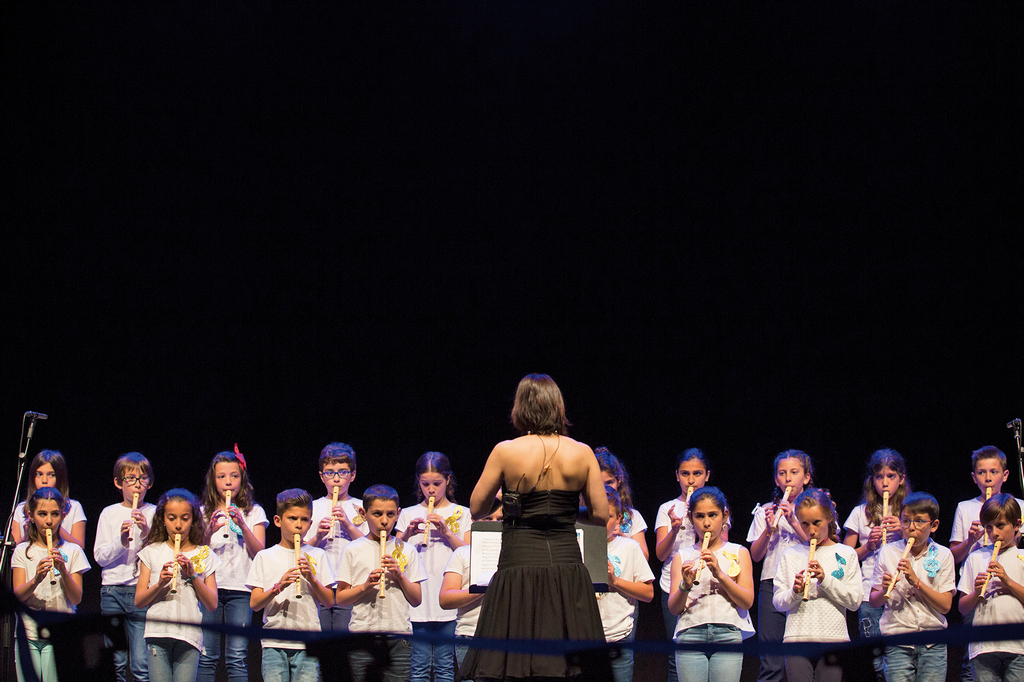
[739,228]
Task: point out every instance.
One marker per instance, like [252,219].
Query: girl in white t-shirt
[49,469]
[173,585]
[792,469]
[712,592]
[1001,600]
[886,473]
[449,529]
[235,533]
[673,531]
[46,581]
[613,473]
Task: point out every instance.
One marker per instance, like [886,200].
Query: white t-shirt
[47,597]
[967,512]
[118,561]
[370,614]
[334,544]
[74,515]
[782,539]
[706,603]
[285,612]
[684,538]
[181,606]
[433,558]
[997,608]
[465,624]
[823,617]
[632,523]
[627,559]
[859,523]
[905,611]
[234,571]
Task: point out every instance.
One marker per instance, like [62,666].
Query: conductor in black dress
[541,590]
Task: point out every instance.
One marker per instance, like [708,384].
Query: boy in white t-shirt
[334,527]
[993,588]
[289,589]
[629,578]
[362,567]
[989,472]
[120,533]
[922,596]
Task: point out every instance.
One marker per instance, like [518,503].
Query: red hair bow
[240,456]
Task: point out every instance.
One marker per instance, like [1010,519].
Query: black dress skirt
[541,590]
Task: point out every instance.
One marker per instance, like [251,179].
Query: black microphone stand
[7,548]
[1015,425]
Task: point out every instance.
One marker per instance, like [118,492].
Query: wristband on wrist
[683,588]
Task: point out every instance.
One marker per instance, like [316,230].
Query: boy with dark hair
[364,565]
[288,583]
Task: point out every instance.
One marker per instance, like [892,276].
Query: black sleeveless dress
[541,590]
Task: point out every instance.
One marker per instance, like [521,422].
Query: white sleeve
[107,548]
[854,521]
[945,581]
[77,561]
[323,571]
[969,572]
[256,577]
[662,520]
[758,525]
[404,517]
[785,599]
[960,527]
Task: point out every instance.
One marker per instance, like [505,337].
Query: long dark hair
[435,463]
[885,457]
[60,469]
[158,531]
[38,496]
[539,407]
[805,462]
[211,500]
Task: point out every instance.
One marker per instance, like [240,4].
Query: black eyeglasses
[335,474]
[132,480]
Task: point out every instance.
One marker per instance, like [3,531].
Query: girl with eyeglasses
[235,531]
[49,470]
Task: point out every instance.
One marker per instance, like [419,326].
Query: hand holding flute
[895,579]
[785,497]
[700,562]
[988,576]
[807,573]
[135,507]
[177,566]
[426,527]
[383,552]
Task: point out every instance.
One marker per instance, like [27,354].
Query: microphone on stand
[40,415]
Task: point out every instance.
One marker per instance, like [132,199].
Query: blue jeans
[289,665]
[460,652]
[232,609]
[771,626]
[119,600]
[171,660]
[915,663]
[334,618]
[868,617]
[696,666]
[670,631]
[998,666]
[622,662]
[426,655]
[41,653]
[397,667]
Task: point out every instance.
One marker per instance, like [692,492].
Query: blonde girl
[46,581]
[613,473]
[834,587]
[235,533]
[50,470]
[672,531]
[714,606]
[886,473]
[449,530]
[792,469]
[173,585]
